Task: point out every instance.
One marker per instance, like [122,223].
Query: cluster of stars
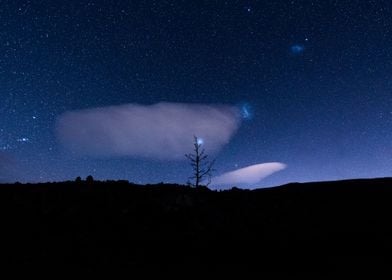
[308,74]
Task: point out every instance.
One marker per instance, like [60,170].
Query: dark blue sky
[315,75]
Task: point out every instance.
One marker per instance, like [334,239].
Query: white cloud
[163,130]
[247,176]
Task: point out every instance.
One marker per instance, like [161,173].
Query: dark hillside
[107,224]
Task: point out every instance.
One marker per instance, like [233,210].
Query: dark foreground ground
[116,224]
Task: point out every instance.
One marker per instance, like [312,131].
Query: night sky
[306,84]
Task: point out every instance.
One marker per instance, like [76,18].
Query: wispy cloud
[247,176]
[162,131]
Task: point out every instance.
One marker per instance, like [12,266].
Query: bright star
[23,139]
[200,141]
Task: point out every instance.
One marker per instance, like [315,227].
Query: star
[248,9]
[23,139]
[5,147]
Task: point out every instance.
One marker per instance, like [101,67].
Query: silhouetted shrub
[78,179]
[89,179]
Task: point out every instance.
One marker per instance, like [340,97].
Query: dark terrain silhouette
[115,223]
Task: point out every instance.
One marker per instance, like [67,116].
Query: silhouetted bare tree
[202,167]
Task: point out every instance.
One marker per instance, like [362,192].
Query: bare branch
[202,169]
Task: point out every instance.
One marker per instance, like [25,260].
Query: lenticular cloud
[248,175]
[162,131]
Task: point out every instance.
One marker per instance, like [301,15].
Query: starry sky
[311,79]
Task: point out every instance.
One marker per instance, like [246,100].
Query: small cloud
[162,131]
[297,49]
[248,175]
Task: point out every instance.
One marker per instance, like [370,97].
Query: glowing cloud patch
[162,131]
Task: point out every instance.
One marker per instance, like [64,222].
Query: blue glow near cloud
[246,111]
